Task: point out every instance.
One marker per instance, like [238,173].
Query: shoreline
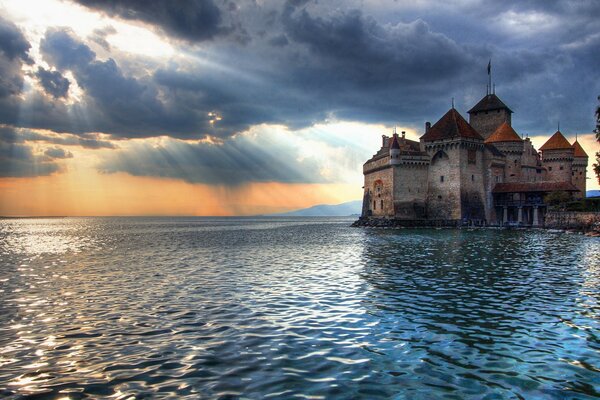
[390,223]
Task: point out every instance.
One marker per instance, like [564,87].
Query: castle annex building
[476,172]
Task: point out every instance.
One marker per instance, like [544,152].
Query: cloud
[18,161]
[53,82]
[57,152]
[191,20]
[240,160]
[14,52]
[9,134]
[306,62]
[332,153]
[99,36]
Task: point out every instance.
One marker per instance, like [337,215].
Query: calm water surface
[294,308]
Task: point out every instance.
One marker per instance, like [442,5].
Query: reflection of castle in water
[478,172]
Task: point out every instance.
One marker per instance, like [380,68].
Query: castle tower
[394,150]
[557,157]
[487,115]
[510,144]
[456,173]
[580,162]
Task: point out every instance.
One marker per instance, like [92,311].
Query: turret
[580,162]
[510,144]
[557,157]
[488,114]
[394,150]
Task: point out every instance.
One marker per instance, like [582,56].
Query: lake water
[294,308]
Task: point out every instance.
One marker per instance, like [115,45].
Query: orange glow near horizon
[80,190]
[121,195]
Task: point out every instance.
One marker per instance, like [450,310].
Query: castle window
[561,167]
[439,197]
[573,173]
[497,178]
[549,168]
[381,203]
[374,204]
[442,178]
[472,178]
[580,173]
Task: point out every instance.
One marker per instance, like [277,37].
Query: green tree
[597,131]
[558,200]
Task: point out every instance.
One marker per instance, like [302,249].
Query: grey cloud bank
[297,63]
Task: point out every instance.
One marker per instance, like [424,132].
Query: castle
[479,172]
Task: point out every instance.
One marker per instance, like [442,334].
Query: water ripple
[294,308]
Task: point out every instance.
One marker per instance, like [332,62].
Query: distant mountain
[593,193]
[326,210]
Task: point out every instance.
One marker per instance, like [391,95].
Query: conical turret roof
[556,142]
[394,142]
[488,103]
[504,133]
[579,152]
[451,125]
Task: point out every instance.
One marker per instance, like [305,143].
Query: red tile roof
[504,133]
[556,142]
[534,187]
[579,152]
[451,125]
[488,103]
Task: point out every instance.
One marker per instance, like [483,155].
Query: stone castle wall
[444,196]
[559,164]
[572,220]
[380,185]
[579,174]
[486,122]
[410,191]
[472,181]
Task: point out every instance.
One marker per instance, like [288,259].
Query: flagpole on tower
[489,71]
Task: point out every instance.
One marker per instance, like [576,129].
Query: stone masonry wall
[486,122]
[579,174]
[572,220]
[443,200]
[410,191]
[559,164]
[472,186]
[382,197]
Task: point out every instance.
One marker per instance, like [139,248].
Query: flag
[490,67]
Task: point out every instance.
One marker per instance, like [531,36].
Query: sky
[218,107]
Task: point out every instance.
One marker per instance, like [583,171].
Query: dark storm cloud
[367,53]
[121,105]
[53,82]
[192,20]
[302,62]
[14,52]
[238,161]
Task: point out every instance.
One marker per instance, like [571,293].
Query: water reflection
[294,308]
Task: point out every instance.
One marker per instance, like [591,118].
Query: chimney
[427,126]
[383,137]
[403,134]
